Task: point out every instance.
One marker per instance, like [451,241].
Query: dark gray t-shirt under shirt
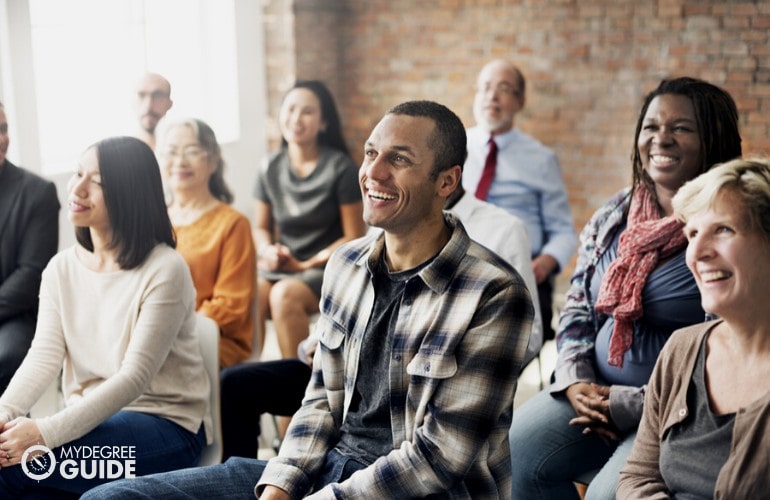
[366,433]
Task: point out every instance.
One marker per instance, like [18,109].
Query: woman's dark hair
[133,195]
[716,116]
[208,141]
[332,136]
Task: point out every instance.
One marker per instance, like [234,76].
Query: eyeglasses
[193,153]
[501,88]
[156,95]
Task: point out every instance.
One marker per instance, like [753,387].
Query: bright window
[89,54]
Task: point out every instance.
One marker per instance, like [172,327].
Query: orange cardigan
[219,250]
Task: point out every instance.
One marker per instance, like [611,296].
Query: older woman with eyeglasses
[705,431]
[213,237]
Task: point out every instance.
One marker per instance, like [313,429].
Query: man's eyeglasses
[501,88]
[156,95]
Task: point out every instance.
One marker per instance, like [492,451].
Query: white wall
[18,94]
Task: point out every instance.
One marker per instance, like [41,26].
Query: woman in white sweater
[117,319]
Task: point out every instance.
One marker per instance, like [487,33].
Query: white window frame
[18,93]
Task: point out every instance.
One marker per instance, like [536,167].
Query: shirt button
[397,357]
[427,367]
[682,412]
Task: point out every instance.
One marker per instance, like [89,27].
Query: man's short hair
[448,141]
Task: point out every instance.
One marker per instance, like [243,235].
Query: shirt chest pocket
[332,343]
[432,365]
[427,372]
[331,335]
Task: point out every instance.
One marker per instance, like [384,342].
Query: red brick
[746,8]
[758,118]
[588,64]
[590,9]
[760,90]
[669,10]
[760,22]
[736,22]
[697,9]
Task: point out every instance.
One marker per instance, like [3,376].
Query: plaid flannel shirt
[459,341]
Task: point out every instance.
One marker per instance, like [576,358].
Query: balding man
[153,100]
[520,175]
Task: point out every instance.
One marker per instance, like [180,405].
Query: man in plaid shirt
[422,337]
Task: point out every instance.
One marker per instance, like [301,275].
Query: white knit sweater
[125,340]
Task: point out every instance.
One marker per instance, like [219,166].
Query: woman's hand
[274,257]
[278,258]
[591,403]
[15,437]
[291,265]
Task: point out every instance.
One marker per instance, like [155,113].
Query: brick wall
[280,61]
[588,64]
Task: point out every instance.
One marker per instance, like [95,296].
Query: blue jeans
[159,445]
[233,479]
[547,453]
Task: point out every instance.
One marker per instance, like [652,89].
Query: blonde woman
[705,431]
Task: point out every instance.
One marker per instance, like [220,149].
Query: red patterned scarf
[648,238]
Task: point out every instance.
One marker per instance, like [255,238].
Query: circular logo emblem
[41,464]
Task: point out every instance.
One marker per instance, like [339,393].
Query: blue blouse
[670,300]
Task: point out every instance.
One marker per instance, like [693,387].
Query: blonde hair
[747,179]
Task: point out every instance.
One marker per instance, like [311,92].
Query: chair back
[208,336]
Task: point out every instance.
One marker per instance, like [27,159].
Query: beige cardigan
[126,341]
[745,474]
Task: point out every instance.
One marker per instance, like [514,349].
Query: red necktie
[489,171]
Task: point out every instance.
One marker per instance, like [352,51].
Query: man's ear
[448,180]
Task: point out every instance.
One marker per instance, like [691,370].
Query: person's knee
[233,375]
[287,297]
[237,381]
[605,483]
[540,437]
[602,487]
[263,289]
[229,381]
[118,490]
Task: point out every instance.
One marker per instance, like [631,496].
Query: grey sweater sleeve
[626,404]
